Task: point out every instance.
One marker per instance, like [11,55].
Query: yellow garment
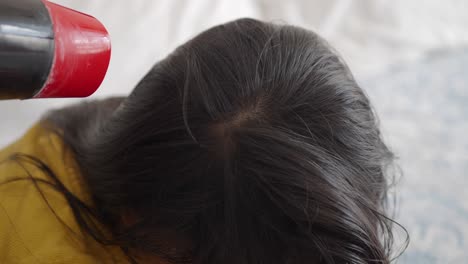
[29,230]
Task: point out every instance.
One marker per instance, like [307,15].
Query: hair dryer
[50,51]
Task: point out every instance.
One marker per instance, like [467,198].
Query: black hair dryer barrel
[50,51]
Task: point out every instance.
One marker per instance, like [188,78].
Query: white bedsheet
[370,34]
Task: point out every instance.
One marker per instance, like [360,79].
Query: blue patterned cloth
[423,110]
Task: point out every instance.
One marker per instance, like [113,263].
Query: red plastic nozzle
[81,54]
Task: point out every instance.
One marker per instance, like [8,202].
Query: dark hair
[252,142]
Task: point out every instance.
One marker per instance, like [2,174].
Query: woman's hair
[251,143]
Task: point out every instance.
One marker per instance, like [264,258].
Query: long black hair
[250,143]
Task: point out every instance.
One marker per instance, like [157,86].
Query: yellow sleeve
[30,231]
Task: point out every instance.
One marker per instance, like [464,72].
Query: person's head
[250,143]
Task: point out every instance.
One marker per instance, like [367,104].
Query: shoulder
[40,146]
[37,224]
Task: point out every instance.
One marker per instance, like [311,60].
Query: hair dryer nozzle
[81,54]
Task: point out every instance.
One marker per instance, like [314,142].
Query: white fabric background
[421,102]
